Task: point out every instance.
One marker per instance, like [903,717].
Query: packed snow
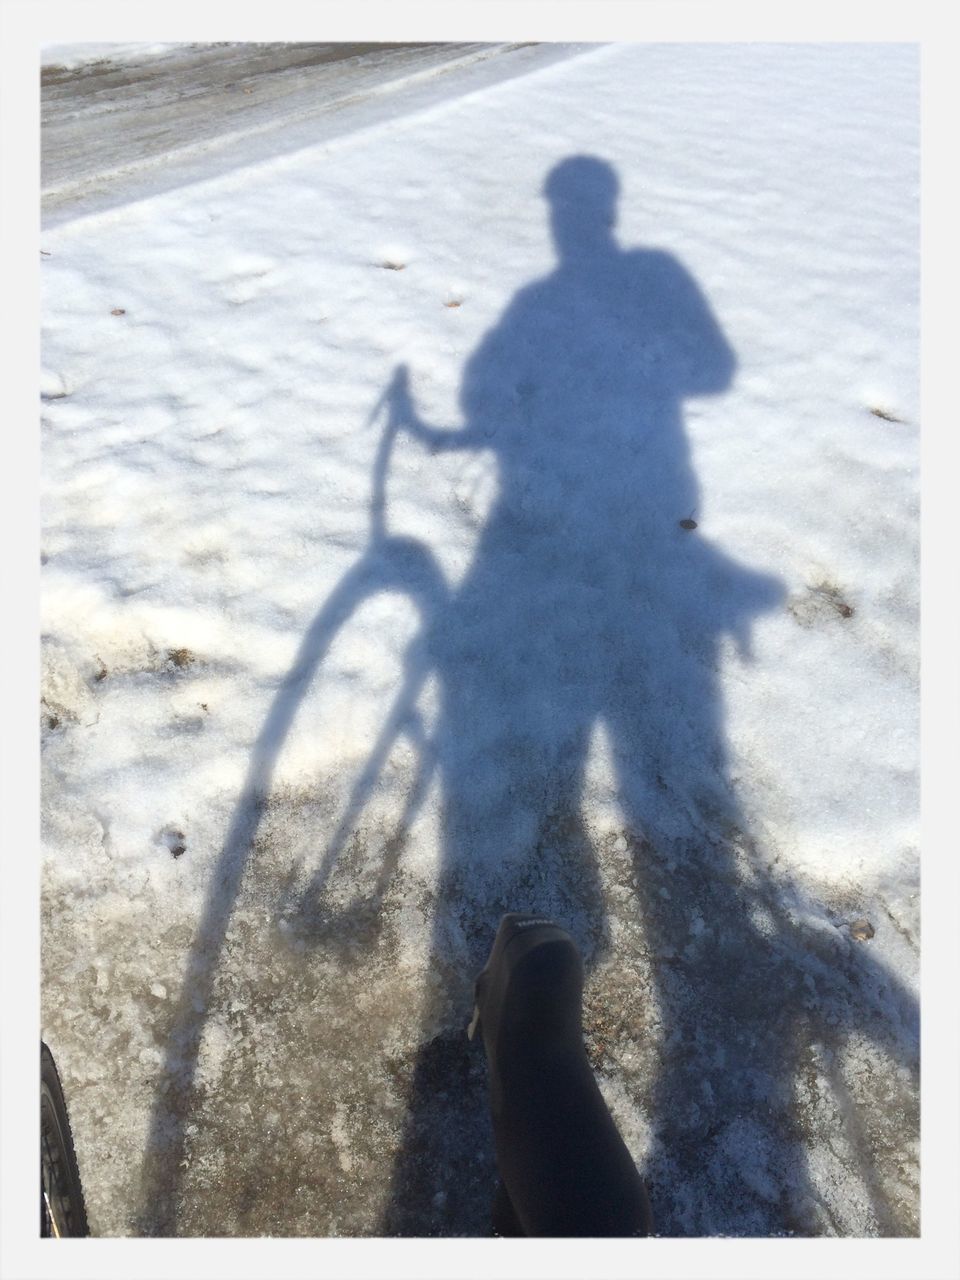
[89,53]
[506,503]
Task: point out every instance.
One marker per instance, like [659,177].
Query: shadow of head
[582,192]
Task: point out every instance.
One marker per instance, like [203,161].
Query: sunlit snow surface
[322,699]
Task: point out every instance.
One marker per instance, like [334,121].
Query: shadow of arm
[403,415]
[704,361]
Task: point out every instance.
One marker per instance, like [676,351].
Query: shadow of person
[593,599]
[590,603]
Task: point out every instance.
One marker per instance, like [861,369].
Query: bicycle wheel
[62,1211]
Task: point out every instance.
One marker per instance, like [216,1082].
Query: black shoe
[535,965]
[564,1165]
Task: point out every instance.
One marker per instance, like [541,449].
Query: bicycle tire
[62,1208]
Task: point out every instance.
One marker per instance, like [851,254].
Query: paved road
[107,126]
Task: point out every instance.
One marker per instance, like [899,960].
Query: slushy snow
[417,547]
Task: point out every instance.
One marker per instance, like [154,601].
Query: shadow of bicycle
[593,600]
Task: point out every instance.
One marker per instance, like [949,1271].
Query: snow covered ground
[416,547]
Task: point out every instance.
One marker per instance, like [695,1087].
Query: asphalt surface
[107,129]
